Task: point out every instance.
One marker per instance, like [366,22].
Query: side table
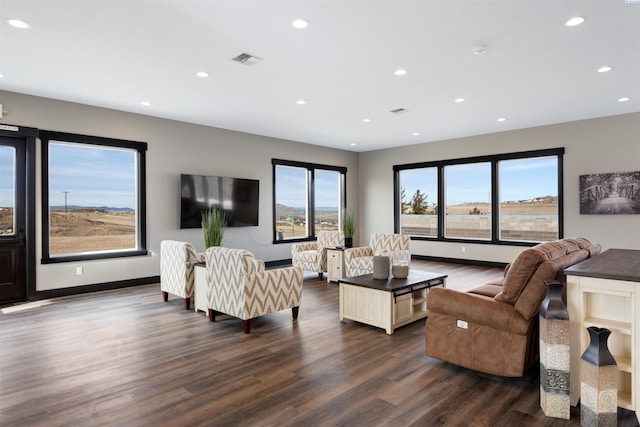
[200,287]
[335,263]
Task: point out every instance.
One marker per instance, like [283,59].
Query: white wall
[173,148]
[610,144]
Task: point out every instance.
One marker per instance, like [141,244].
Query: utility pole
[65,201]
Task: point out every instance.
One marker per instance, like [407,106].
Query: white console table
[604,291]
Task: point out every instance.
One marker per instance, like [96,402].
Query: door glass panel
[7,190]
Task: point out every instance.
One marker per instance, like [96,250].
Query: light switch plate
[462,324]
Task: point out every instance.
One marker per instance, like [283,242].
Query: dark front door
[13,219]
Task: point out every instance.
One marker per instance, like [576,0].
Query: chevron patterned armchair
[238,285]
[359,261]
[312,256]
[176,269]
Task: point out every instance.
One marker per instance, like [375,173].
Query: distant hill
[91,208]
[288,211]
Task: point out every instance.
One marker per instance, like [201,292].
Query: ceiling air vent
[399,111]
[247,59]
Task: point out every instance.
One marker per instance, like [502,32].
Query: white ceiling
[537,71]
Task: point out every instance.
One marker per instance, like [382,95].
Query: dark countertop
[615,264]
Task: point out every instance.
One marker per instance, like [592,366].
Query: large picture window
[307,198]
[93,197]
[505,198]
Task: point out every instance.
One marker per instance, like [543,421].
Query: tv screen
[238,198]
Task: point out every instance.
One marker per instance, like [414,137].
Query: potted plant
[213,223]
[348,228]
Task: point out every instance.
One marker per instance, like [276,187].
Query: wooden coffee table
[390,303]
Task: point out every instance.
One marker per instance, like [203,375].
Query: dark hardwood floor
[125,358]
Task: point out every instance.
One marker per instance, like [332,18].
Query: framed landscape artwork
[610,193]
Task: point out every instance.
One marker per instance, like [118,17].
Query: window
[419,202]
[7,190]
[505,198]
[307,198]
[93,197]
[529,199]
[468,200]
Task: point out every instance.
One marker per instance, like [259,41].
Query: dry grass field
[91,230]
[514,208]
[6,221]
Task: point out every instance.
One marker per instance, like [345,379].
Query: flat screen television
[237,197]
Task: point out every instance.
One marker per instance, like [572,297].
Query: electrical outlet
[79,271]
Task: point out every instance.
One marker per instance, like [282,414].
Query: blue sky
[291,187]
[519,180]
[93,176]
[6,176]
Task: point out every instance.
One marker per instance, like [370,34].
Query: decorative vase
[554,353]
[598,381]
[348,242]
[400,270]
[381,267]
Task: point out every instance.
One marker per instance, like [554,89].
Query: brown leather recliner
[494,328]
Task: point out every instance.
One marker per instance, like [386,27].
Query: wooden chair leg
[294,312]
[212,315]
[320,275]
[187,303]
[165,296]
[246,326]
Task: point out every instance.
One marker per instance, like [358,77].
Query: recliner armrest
[477,309]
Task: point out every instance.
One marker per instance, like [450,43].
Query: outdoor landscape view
[92,193]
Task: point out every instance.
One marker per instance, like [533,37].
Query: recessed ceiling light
[574,21]
[1,75]
[459,100]
[202,74]
[366,120]
[353,144]
[502,119]
[301,102]
[416,134]
[146,103]
[479,50]
[18,23]
[605,69]
[300,24]
[623,99]
[400,72]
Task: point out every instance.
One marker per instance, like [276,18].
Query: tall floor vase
[598,381]
[554,353]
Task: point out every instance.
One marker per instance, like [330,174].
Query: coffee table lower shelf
[387,304]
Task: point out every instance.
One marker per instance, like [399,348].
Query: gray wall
[609,144]
[173,148]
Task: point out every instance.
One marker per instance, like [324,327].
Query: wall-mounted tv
[237,197]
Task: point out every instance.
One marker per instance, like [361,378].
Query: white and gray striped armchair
[176,269]
[312,256]
[238,285]
[359,261]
